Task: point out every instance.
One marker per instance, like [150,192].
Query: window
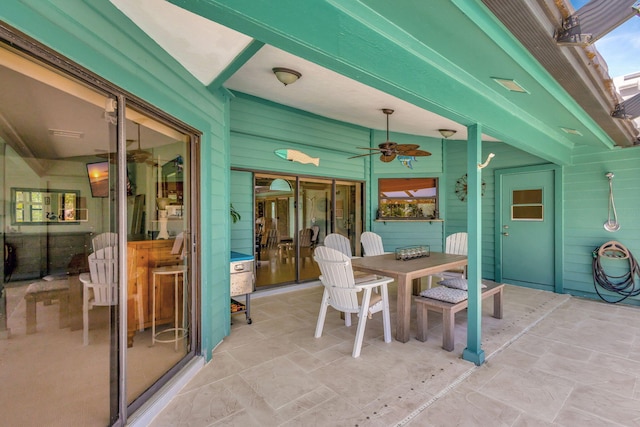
[527,205]
[36,206]
[408,198]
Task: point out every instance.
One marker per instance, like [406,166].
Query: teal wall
[586,195]
[456,210]
[584,204]
[259,127]
[242,200]
[87,33]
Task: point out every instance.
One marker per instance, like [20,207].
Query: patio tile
[553,360]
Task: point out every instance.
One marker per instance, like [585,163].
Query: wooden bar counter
[143,256]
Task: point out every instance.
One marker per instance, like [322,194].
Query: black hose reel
[623,285]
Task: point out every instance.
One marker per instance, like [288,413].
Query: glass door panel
[348,213]
[275,229]
[314,219]
[57,338]
[159,292]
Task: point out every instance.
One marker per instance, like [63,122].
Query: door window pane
[527,205]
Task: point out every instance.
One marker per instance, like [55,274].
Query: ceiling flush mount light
[286,76]
[510,84]
[446,133]
[571,131]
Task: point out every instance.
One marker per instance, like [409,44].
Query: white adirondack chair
[100,285]
[339,242]
[371,244]
[341,292]
[457,244]
[104,240]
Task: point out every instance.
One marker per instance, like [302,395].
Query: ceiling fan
[133,156]
[388,150]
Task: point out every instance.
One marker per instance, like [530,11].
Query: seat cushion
[442,293]
[457,283]
[375,298]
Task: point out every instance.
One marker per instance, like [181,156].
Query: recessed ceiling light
[510,84]
[571,131]
[66,133]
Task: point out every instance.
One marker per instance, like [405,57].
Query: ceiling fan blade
[363,155]
[387,159]
[369,148]
[416,153]
[407,147]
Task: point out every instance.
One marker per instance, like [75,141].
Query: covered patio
[552,360]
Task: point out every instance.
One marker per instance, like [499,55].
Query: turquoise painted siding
[456,210]
[242,199]
[399,234]
[586,195]
[258,128]
[86,32]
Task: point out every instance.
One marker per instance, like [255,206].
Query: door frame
[558,214]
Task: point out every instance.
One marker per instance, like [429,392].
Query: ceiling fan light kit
[389,150]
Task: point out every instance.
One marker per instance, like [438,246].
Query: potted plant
[235,215]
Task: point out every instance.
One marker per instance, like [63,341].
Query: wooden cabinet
[143,257]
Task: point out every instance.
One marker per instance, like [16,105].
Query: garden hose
[624,285]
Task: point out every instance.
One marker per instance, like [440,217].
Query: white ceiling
[206,48]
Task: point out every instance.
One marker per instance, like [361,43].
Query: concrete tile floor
[553,360]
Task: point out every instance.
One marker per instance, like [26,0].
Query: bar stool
[179,332]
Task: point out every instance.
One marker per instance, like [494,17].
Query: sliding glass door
[293,216]
[98,273]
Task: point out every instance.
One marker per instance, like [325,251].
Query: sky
[621,47]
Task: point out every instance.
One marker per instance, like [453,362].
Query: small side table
[179,332]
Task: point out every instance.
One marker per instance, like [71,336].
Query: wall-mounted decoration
[297,156]
[461,187]
[406,161]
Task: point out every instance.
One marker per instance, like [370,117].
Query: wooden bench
[46,291]
[448,310]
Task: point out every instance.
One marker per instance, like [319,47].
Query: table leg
[497,305]
[403,322]
[63,321]
[31,315]
[448,325]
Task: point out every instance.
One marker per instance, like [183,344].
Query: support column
[474,352]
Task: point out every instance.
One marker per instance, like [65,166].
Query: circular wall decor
[461,187]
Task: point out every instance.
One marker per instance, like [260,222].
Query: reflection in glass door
[58,338]
[275,229]
[348,213]
[159,309]
[288,228]
[315,222]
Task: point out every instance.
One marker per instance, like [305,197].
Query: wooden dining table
[405,272]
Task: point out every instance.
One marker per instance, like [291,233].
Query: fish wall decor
[297,156]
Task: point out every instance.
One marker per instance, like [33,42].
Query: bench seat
[46,291]
[448,310]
